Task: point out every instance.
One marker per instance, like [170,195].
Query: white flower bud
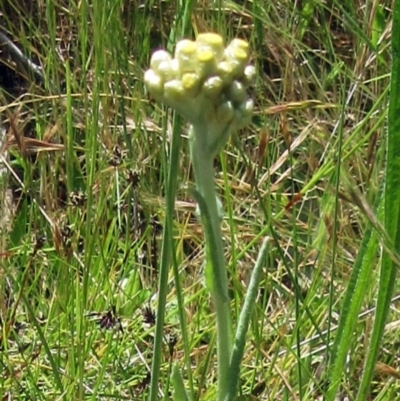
[249,75]
[154,83]
[166,70]
[237,67]
[158,57]
[239,44]
[175,67]
[225,71]
[173,91]
[213,87]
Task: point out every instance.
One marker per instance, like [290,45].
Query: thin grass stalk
[166,249]
[91,143]
[179,294]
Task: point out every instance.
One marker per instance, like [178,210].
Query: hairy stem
[207,200]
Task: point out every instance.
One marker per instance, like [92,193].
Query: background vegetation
[88,155]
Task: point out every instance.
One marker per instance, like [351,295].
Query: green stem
[202,160]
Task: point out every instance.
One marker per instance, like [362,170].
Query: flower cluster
[205,82]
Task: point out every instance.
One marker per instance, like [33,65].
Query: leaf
[180,393]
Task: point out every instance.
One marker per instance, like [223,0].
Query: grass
[80,258]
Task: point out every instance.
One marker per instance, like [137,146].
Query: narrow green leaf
[392,210]
[180,393]
[243,323]
[355,292]
[378,25]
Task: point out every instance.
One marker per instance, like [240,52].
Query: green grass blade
[165,260]
[52,361]
[355,292]
[392,210]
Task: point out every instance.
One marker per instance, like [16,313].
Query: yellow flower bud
[186,54]
[206,63]
[191,83]
[213,42]
[237,54]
